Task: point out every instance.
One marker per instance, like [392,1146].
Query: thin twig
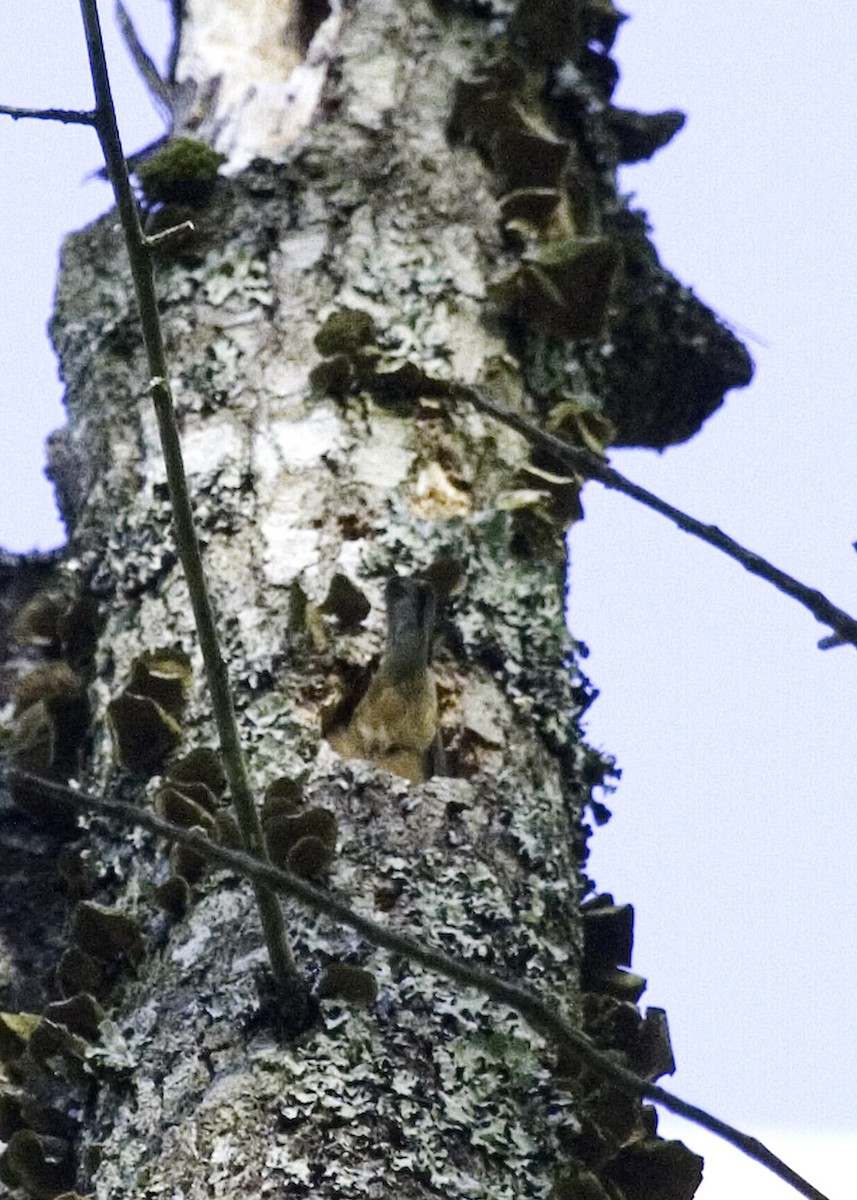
[287,977]
[591,465]
[159,90]
[169,235]
[177,15]
[537,1012]
[67,116]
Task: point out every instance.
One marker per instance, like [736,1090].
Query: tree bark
[448,216]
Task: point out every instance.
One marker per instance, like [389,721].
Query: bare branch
[591,465]
[177,14]
[158,88]
[542,1016]
[287,979]
[67,116]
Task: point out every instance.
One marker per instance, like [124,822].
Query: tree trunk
[448,217]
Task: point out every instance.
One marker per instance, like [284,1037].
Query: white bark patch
[384,460]
[284,379]
[266,96]
[302,251]
[286,462]
[223,1150]
[290,550]
[291,543]
[295,445]
[208,448]
[483,713]
[374,81]
[350,561]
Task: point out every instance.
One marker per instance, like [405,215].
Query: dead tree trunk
[418,197]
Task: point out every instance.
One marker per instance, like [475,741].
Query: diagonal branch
[541,1015]
[159,90]
[67,116]
[592,466]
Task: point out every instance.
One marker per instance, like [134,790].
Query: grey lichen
[361,470]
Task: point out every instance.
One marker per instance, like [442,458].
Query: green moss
[182,172]
[346,331]
[342,981]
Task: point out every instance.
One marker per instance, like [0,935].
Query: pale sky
[734,825]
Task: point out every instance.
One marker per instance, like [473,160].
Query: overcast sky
[734,826]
